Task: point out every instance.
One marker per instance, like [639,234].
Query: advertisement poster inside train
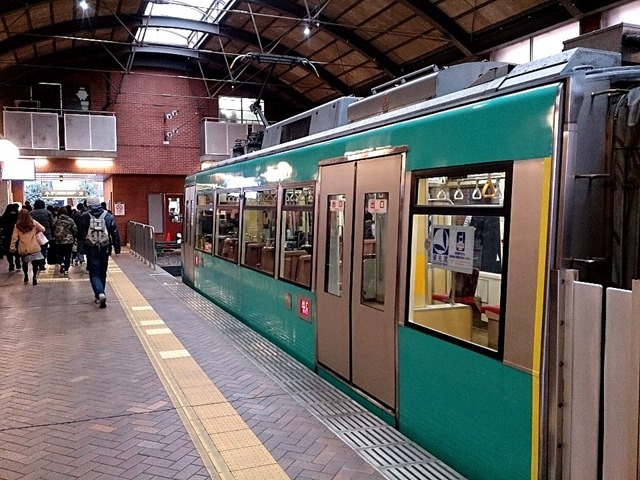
[452,247]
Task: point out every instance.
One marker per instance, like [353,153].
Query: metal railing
[142,242]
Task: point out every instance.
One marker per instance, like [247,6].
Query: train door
[357,273]
[173,215]
[188,240]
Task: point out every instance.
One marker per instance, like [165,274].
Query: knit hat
[93,201]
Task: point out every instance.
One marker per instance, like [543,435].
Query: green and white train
[453,255]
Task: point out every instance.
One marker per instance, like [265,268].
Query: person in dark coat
[79,256]
[98,257]
[44,217]
[65,231]
[7,223]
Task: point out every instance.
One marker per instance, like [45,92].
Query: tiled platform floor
[154,387]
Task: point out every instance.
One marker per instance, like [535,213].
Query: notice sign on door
[452,247]
[377,206]
[336,205]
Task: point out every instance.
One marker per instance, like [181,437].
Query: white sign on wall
[452,247]
[118,211]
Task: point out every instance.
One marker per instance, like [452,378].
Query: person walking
[45,218]
[25,243]
[79,258]
[8,222]
[64,232]
[99,233]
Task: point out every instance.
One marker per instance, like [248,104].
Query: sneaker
[26,279]
[11,268]
[61,270]
[103,300]
[35,280]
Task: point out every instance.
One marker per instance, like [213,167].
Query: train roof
[577,61]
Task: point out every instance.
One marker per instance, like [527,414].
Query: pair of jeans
[97,263]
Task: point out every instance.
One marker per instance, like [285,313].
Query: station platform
[162,384]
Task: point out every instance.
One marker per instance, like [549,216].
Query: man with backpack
[99,233]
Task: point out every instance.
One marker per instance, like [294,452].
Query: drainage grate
[382,446]
[397,454]
[361,437]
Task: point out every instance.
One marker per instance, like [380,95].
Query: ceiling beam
[136,21]
[92,58]
[537,20]
[249,38]
[572,8]
[432,14]
[343,33]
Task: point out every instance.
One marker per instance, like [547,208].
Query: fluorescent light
[8,150]
[94,163]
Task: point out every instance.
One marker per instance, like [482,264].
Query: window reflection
[259,229]
[204,223]
[227,225]
[297,235]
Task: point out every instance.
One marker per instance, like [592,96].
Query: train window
[374,228]
[335,233]
[457,256]
[297,234]
[475,191]
[227,225]
[204,224]
[259,228]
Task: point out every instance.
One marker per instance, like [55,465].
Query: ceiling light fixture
[83,5]
[307,30]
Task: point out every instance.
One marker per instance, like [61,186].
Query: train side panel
[469,410]
[475,411]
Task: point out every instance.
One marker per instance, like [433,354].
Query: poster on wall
[118,210]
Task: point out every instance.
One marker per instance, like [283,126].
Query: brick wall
[133,191]
[140,106]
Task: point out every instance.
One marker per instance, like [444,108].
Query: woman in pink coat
[24,241]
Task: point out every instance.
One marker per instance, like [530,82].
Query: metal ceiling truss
[156,56]
[343,33]
[63,30]
[460,46]
[445,24]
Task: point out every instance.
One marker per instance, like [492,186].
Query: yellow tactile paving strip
[228,447]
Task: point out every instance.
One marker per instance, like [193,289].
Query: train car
[442,259]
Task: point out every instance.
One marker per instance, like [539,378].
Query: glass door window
[374,229]
[335,240]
